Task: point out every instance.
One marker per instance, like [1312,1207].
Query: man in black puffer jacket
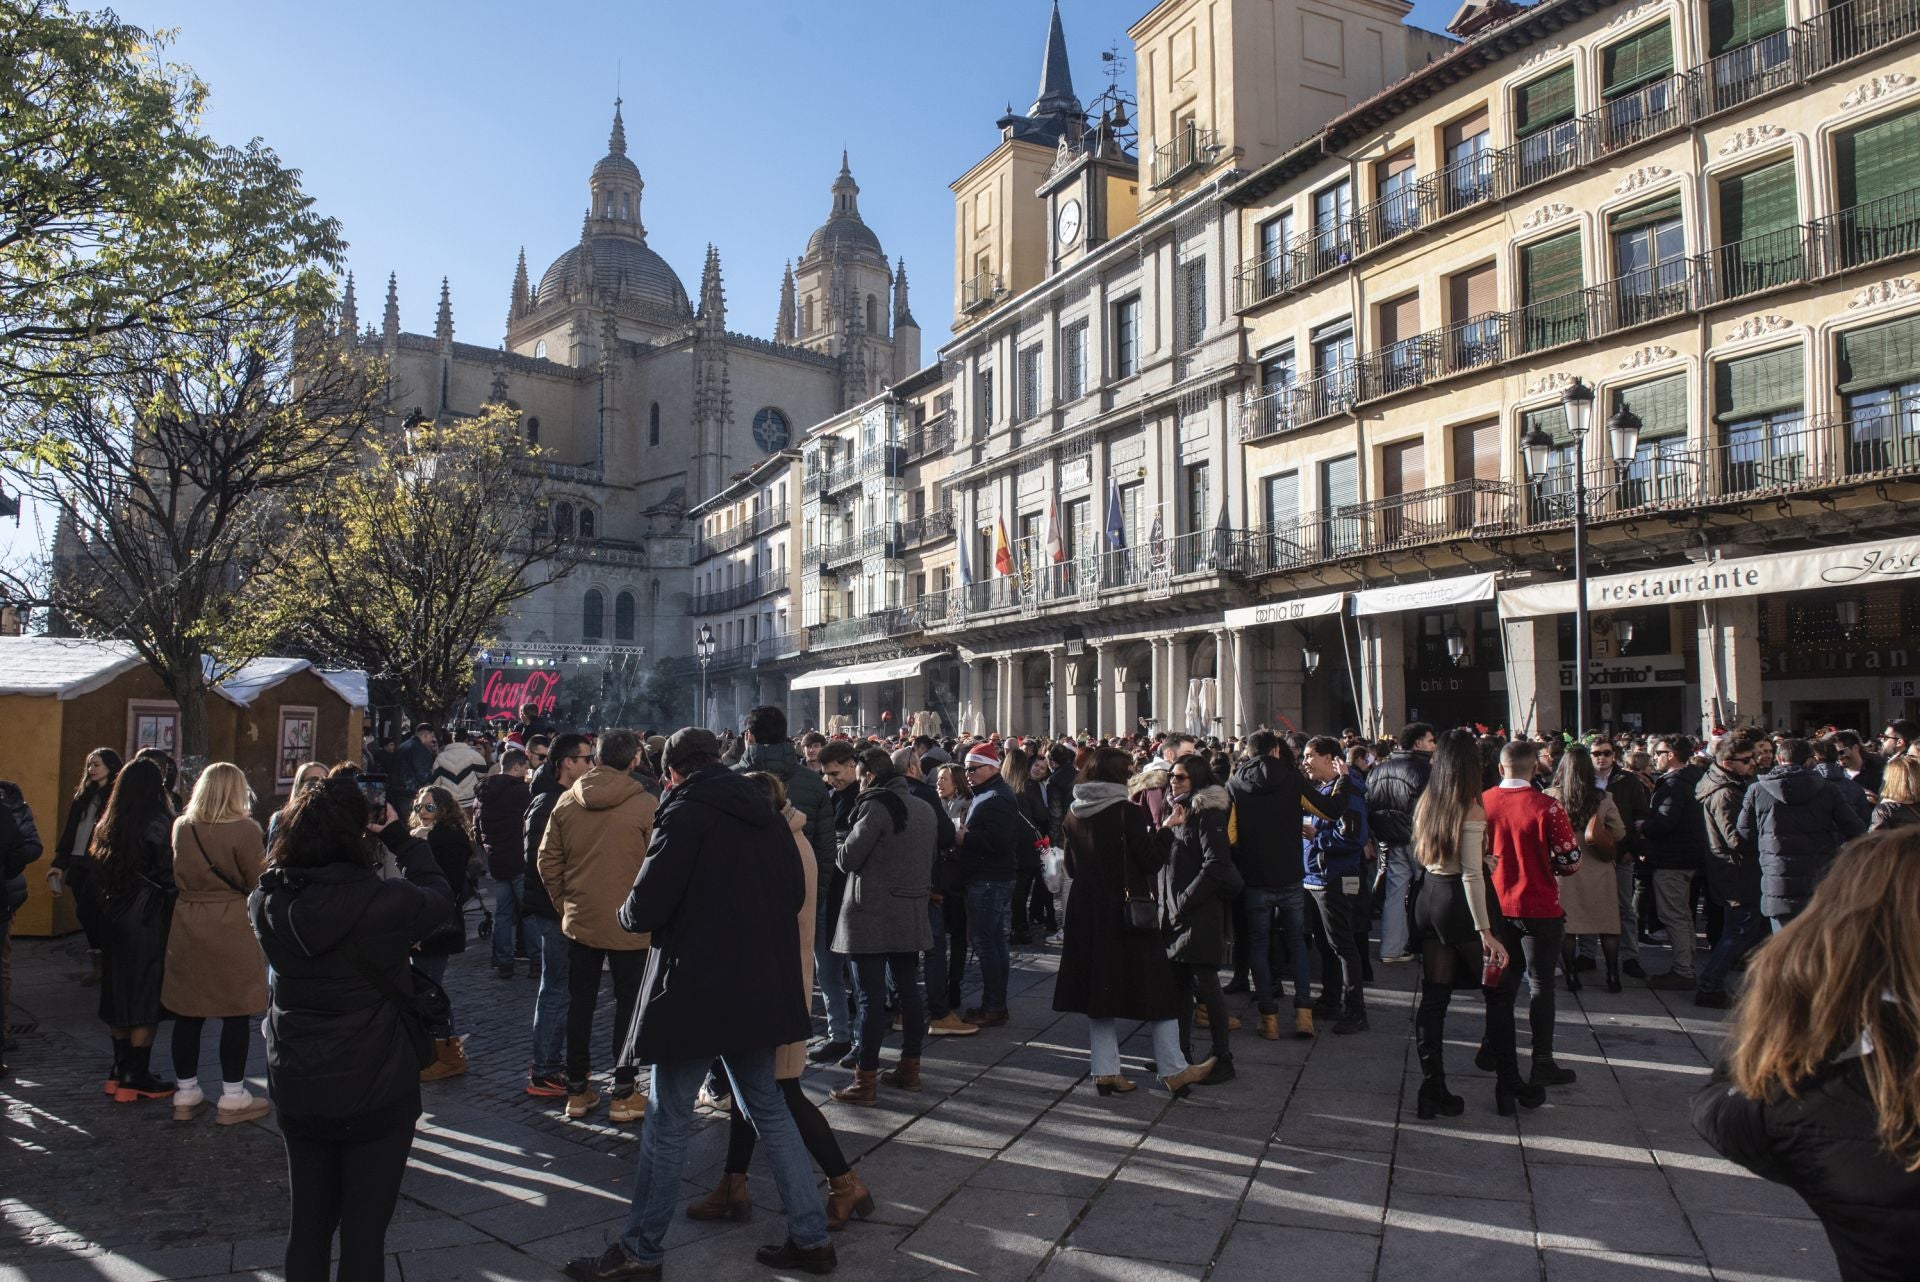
[1798,821]
[571,757]
[1675,847]
[1263,829]
[500,813]
[19,846]
[1393,790]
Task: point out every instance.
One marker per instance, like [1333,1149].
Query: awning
[1425,596]
[860,674]
[1306,607]
[1854,565]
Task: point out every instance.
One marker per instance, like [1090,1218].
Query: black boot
[1548,1073]
[1613,974]
[1222,1072]
[1430,1030]
[807,1259]
[1436,1100]
[1509,1089]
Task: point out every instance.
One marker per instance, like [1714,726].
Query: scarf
[1089,799]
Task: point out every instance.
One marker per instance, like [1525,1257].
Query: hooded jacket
[459,769]
[720,894]
[1733,871]
[1675,836]
[1338,845]
[991,850]
[1393,790]
[1264,823]
[807,792]
[591,853]
[499,823]
[888,857]
[1199,881]
[546,790]
[1797,821]
[340,1063]
[1846,787]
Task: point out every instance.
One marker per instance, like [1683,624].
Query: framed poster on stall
[298,729]
[152,723]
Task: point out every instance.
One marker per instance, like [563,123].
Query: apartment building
[746,559]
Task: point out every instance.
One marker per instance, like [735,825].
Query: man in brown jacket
[589,858]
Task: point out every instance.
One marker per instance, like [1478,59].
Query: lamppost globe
[1537,448]
[1623,433]
[1310,659]
[1577,401]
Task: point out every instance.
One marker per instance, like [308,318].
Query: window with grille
[1030,383]
[1193,302]
[1073,362]
[1126,337]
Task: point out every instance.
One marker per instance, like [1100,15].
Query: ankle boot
[847,1196]
[1436,1100]
[864,1089]
[903,1076]
[449,1059]
[1270,1026]
[728,1201]
[1613,975]
[1303,1021]
[1512,1089]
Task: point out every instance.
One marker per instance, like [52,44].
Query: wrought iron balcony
[932,437]
[767,518]
[1192,149]
[780,645]
[739,594]
[1769,63]
[1870,233]
[1436,515]
[936,524]
[981,291]
[1633,118]
[734,656]
[1409,209]
[893,621]
[1473,181]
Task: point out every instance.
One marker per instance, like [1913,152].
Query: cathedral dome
[844,230]
[624,271]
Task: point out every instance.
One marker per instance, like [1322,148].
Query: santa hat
[983,754]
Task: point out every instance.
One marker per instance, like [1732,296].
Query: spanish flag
[1002,550]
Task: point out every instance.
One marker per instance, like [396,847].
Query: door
[1340,493]
[1403,472]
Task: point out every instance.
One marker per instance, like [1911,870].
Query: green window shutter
[1551,420]
[1640,59]
[1661,406]
[1758,203]
[1880,355]
[1732,23]
[1878,161]
[1663,209]
[1759,386]
[1551,268]
[1545,102]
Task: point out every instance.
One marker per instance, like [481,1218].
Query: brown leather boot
[450,1059]
[903,1076]
[863,1089]
[1270,1027]
[728,1201]
[847,1197]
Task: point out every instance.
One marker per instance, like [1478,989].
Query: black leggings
[814,1133]
[233,1046]
[349,1185]
[1201,984]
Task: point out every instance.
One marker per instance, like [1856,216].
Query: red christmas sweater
[1532,838]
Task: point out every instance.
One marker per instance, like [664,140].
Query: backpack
[26,846]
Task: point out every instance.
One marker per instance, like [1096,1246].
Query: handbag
[225,880]
[426,1008]
[1598,840]
[1139,914]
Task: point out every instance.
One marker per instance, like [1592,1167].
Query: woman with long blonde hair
[1820,1085]
[214,966]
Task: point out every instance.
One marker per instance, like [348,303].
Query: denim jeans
[829,967]
[1743,930]
[1291,901]
[507,893]
[872,971]
[1401,874]
[663,1151]
[989,912]
[1103,1047]
[933,964]
[548,946]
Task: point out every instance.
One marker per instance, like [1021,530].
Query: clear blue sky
[445,136]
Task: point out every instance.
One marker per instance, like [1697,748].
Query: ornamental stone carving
[1547,213]
[1653,354]
[1887,291]
[1643,177]
[1877,88]
[1549,383]
[1636,13]
[1551,51]
[1756,327]
[1749,138]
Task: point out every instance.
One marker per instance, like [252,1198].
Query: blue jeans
[933,963]
[1743,929]
[829,967]
[989,918]
[1103,1047]
[1402,873]
[1292,904]
[872,970]
[506,910]
[663,1151]
[546,944]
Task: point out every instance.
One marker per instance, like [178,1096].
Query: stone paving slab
[1006,1166]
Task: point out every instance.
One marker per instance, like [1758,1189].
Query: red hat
[983,754]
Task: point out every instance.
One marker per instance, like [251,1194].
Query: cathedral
[644,402]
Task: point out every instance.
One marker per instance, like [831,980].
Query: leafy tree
[405,566]
[118,214]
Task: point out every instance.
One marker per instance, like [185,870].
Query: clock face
[1066,227]
[771,431]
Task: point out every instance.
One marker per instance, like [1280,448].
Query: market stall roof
[68,667]
[860,674]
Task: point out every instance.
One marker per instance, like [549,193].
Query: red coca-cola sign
[505,692]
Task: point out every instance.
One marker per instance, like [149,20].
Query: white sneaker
[187,1103]
[244,1107]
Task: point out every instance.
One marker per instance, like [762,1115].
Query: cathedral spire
[349,312]
[846,192]
[583,260]
[522,299]
[617,140]
[783,326]
[712,315]
[443,323]
[902,314]
[390,323]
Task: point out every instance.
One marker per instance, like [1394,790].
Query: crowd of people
[722,882]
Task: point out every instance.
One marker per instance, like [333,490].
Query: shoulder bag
[225,880]
[1139,913]
[1597,839]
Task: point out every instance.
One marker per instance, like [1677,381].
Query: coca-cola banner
[502,692]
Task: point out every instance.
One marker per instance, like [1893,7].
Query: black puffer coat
[500,814]
[720,892]
[339,1062]
[1106,970]
[545,789]
[452,852]
[1798,821]
[1199,882]
[1676,831]
[1265,796]
[1821,1142]
[1393,790]
[1847,788]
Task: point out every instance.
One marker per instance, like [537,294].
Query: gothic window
[653,424]
[623,617]
[593,616]
[563,519]
[533,427]
[586,522]
[873,315]
[540,350]
[807,326]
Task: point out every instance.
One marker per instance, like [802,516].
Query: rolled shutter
[1545,102]
[1466,127]
[1878,161]
[1476,451]
[1880,355]
[1471,293]
[1640,59]
[1340,482]
[1552,420]
[1758,203]
[1733,23]
[1551,268]
[1661,406]
[1399,319]
[1768,385]
[1403,467]
[1664,209]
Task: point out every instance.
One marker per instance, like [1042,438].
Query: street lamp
[1457,645]
[1310,658]
[1625,630]
[703,649]
[1577,401]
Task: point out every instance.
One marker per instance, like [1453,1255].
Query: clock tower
[1092,192]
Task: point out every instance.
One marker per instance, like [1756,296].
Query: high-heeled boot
[847,1197]
[728,1201]
[1613,974]
[1430,1022]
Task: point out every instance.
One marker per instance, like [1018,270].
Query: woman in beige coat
[846,1195]
[1590,895]
[214,965]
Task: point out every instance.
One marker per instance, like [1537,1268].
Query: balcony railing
[936,524]
[734,656]
[1633,118]
[1408,209]
[1472,181]
[1192,148]
[884,539]
[932,437]
[980,291]
[1784,257]
[1769,63]
[1440,514]
[778,646]
[739,594]
[767,518]
[890,622]
[1870,233]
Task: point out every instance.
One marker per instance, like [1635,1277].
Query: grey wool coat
[887,855]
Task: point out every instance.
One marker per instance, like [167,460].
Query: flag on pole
[1002,550]
[966,569]
[1116,523]
[1056,539]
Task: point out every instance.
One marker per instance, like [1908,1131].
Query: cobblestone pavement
[1008,1166]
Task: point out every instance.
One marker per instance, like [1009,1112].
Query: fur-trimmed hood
[1152,775]
[1212,797]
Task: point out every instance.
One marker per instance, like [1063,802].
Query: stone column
[1533,674]
[1106,683]
[1284,688]
[1178,670]
[1008,699]
[1383,676]
[1076,705]
[1059,708]
[1243,714]
[1730,664]
[1161,662]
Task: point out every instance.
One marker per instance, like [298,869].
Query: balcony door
[1660,474]
[1468,177]
[1759,403]
[1879,190]
[1637,83]
[1748,48]
[1333,353]
[1649,261]
[1544,124]
[1880,387]
[1276,266]
[1341,529]
[1403,473]
[1476,471]
[1553,309]
[1474,324]
[1332,226]
[1760,237]
[1400,347]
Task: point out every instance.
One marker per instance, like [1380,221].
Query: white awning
[1853,565]
[1425,596]
[1305,607]
[860,674]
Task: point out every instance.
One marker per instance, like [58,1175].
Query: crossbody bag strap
[225,880]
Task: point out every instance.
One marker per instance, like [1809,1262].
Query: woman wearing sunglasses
[441,822]
[1197,887]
